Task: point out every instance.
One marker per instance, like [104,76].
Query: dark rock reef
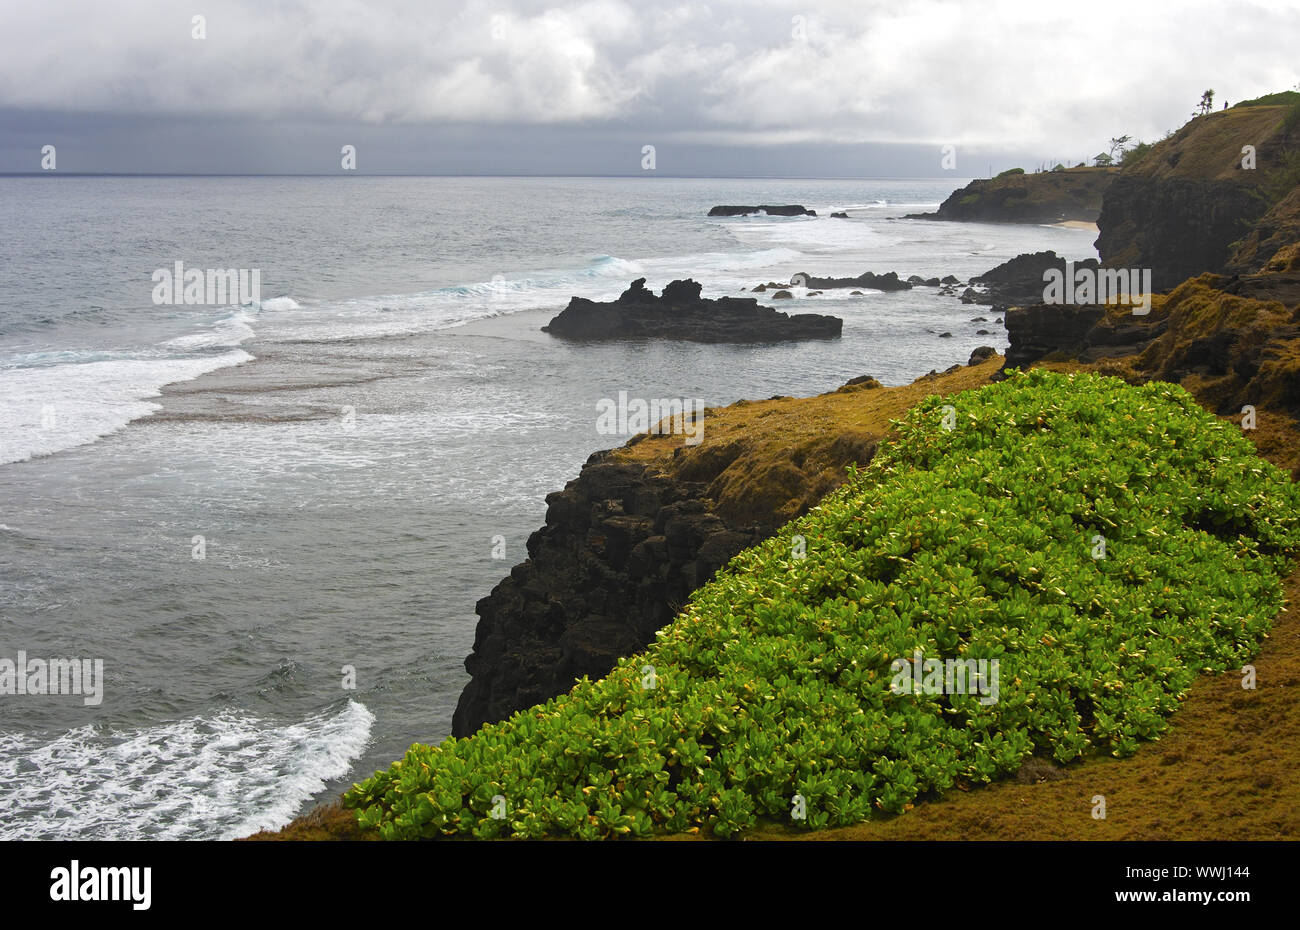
[879,282]
[680,313]
[889,281]
[793,209]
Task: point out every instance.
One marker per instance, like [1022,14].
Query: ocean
[271,521]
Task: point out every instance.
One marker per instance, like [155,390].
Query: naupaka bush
[973,535]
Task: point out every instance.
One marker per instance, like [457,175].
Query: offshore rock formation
[1019,281]
[879,282]
[794,209]
[680,313]
[889,281]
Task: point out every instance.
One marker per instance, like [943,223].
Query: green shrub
[1291,121]
[1130,157]
[1281,98]
[1011,171]
[972,542]
[1284,177]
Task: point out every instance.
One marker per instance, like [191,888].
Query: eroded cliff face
[1274,232]
[1177,227]
[1189,203]
[622,549]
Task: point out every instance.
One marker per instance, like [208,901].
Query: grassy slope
[1209,147]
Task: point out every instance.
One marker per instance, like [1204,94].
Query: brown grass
[769,461]
[328,822]
[1210,146]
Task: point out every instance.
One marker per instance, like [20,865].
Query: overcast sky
[853,89]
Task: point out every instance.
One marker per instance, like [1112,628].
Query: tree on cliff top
[1206,104]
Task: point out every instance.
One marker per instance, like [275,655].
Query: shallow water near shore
[353,449]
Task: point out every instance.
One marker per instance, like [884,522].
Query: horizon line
[717,177]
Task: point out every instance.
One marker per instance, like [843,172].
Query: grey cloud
[1009,77]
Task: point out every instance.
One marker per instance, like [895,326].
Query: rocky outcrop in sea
[793,209]
[681,313]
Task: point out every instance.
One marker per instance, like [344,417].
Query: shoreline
[1077,224]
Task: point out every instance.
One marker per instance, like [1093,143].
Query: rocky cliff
[1190,202]
[622,549]
[1012,197]
[1275,230]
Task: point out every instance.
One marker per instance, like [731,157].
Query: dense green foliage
[974,541]
[1282,98]
[1010,171]
[1130,157]
[1291,121]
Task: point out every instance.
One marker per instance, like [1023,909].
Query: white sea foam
[230,331]
[49,408]
[280,303]
[214,777]
[815,236]
[603,279]
[444,307]
[704,265]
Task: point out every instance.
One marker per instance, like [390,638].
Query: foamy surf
[604,278]
[280,303]
[50,408]
[217,777]
[444,307]
[230,331]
